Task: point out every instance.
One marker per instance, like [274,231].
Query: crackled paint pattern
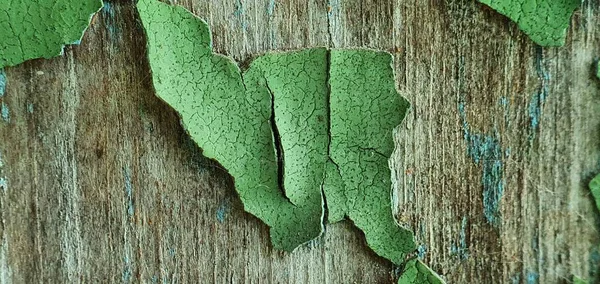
[416,272]
[207,91]
[285,135]
[26,36]
[544,21]
[299,95]
[365,108]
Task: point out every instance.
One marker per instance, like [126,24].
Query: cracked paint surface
[365,108]
[25,36]
[416,272]
[293,126]
[544,21]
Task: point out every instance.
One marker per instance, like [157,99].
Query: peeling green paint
[25,36]
[416,272]
[364,109]
[595,190]
[184,68]
[292,126]
[577,280]
[544,21]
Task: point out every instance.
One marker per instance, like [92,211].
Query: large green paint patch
[40,29]
[294,129]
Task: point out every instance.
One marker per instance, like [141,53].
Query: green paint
[365,107]
[40,29]
[416,272]
[577,280]
[297,84]
[595,189]
[292,126]
[544,21]
[231,125]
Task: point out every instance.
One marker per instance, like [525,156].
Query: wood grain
[102,183]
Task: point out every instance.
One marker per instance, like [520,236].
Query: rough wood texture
[102,183]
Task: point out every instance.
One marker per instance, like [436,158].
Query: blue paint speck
[421,251]
[126,275]
[461,249]
[537,101]
[5,112]
[505,104]
[239,13]
[172,252]
[30,108]
[271,7]
[114,32]
[3,184]
[532,277]
[515,279]
[486,150]
[2,82]
[222,211]
[128,190]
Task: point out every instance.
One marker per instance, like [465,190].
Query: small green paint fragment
[290,127]
[595,189]
[40,29]
[577,280]
[544,21]
[598,70]
[416,272]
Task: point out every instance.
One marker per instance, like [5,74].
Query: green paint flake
[544,21]
[595,189]
[577,280]
[291,127]
[297,83]
[365,108]
[416,272]
[207,91]
[40,29]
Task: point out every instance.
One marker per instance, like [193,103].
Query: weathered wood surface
[103,185]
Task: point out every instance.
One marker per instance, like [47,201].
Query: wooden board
[102,183]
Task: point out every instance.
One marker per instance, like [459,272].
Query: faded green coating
[40,29]
[297,82]
[231,125]
[595,189]
[416,272]
[544,21]
[365,108]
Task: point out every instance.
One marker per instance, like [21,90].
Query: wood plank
[104,185]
